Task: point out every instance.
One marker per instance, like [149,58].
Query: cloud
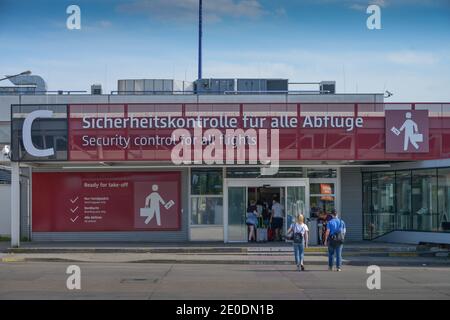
[98,26]
[412,58]
[105,24]
[364,4]
[281,12]
[357,7]
[249,69]
[381,3]
[187,10]
[361,5]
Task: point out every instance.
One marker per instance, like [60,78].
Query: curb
[196,250]
[403,254]
[126,250]
[235,251]
[239,262]
[12,260]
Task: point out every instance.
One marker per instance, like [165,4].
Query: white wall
[5,210]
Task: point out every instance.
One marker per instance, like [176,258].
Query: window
[424,200]
[417,200]
[321,188]
[5,176]
[367,206]
[206,197]
[207,211]
[383,202]
[322,198]
[5,132]
[403,200]
[283,172]
[321,173]
[206,182]
[444,199]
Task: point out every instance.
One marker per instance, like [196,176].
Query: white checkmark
[73,220]
[74,200]
[73,210]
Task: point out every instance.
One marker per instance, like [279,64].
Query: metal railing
[233,92]
[33,92]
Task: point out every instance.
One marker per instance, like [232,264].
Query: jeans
[299,252]
[335,250]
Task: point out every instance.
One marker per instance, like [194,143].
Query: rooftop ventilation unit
[153,86]
[254,86]
[241,86]
[328,87]
[96,89]
[214,86]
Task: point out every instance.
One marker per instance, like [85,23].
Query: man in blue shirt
[335,241]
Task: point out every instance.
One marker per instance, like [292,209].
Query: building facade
[126,167]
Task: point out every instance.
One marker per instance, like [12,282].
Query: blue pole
[200,35]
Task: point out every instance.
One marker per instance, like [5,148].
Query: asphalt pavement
[45,280]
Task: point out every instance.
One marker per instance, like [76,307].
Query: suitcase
[261,234]
[147,213]
[418,137]
[270,234]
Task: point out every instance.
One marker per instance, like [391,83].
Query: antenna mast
[200,36]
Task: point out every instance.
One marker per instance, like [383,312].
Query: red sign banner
[135,201]
[155,132]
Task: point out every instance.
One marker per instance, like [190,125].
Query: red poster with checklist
[135,201]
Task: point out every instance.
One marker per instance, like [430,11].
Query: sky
[301,40]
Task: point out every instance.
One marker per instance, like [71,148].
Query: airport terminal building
[161,161]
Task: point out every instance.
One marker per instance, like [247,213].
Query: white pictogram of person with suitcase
[412,134]
[152,206]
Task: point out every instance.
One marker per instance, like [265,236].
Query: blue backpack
[339,237]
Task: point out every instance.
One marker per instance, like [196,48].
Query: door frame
[258,183]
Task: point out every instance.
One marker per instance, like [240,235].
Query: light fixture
[24,73]
[6,151]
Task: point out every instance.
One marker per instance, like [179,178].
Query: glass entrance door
[295,204]
[237,208]
[293,196]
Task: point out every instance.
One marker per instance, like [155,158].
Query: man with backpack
[334,238]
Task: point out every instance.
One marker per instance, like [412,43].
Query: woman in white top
[300,234]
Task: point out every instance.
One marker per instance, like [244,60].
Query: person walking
[266,214]
[252,220]
[300,235]
[334,239]
[277,218]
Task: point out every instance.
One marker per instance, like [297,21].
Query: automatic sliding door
[237,207]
